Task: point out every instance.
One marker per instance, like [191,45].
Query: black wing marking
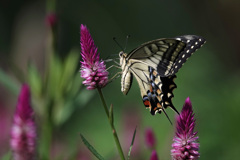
[167,89]
[163,90]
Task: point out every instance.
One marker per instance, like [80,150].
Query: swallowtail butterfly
[154,65]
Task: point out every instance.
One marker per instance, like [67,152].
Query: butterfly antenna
[163,109]
[114,38]
[128,36]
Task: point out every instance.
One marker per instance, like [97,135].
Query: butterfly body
[154,65]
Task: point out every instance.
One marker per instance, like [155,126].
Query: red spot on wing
[147,103]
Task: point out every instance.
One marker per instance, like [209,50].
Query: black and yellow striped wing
[154,65]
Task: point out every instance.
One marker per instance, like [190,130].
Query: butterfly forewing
[192,44]
[154,65]
[160,54]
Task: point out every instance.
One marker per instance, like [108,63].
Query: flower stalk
[93,70]
[110,119]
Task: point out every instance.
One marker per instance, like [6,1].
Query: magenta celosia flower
[154,155]
[150,138]
[51,19]
[93,70]
[185,146]
[23,133]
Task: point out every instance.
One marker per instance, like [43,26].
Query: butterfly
[154,65]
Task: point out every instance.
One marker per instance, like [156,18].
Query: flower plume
[150,138]
[51,19]
[23,133]
[154,155]
[93,70]
[185,145]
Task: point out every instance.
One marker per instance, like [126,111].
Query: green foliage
[91,148]
[59,89]
[7,156]
[8,82]
[133,138]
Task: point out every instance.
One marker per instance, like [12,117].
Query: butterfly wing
[193,43]
[154,65]
[167,55]
[156,91]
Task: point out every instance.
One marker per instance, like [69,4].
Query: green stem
[103,101]
[120,151]
[45,141]
[51,5]
[46,133]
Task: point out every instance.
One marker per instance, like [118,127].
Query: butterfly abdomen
[126,81]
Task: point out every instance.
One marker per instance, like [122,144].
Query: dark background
[210,77]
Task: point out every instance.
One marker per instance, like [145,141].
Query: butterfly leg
[108,60]
[112,60]
[116,62]
[114,77]
[113,66]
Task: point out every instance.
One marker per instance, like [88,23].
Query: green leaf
[7,156]
[8,82]
[130,149]
[90,147]
[69,69]
[35,80]
[54,78]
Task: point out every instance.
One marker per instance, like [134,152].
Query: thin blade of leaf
[8,82]
[111,115]
[90,147]
[130,149]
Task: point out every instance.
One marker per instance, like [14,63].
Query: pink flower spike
[51,19]
[185,145]
[154,155]
[150,138]
[23,133]
[92,70]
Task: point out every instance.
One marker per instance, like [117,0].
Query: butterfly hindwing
[156,91]
[149,82]
[167,89]
[161,88]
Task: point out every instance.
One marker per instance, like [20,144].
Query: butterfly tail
[168,86]
[163,109]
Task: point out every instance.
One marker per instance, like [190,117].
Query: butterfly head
[122,56]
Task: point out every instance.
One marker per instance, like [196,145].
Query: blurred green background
[210,77]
